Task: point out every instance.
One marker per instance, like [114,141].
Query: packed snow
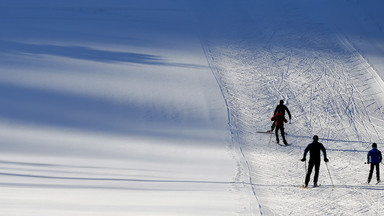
[154,107]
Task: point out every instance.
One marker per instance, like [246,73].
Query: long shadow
[72,186]
[48,165]
[117,179]
[85,53]
[331,140]
[99,187]
[144,188]
[335,140]
[363,187]
[347,150]
[33,106]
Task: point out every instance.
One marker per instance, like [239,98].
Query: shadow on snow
[89,54]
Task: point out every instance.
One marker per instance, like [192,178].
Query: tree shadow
[34,106]
[354,187]
[89,54]
[86,183]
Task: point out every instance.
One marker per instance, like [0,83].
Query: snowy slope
[152,107]
[110,108]
[264,51]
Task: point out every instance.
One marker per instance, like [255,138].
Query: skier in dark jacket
[374,158]
[314,161]
[278,121]
[282,108]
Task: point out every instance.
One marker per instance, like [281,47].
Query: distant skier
[282,108]
[278,120]
[374,158]
[314,160]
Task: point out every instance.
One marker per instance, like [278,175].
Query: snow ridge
[234,133]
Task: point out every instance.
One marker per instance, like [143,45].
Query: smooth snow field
[154,107]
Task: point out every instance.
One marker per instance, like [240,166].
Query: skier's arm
[289,113]
[368,154]
[324,153]
[380,156]
[305,153]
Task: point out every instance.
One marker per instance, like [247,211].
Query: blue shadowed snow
[121,104]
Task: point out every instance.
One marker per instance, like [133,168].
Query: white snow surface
[153,107]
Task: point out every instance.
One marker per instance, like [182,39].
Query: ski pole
[330,175]
[270,138]
[305,167]
[305,171]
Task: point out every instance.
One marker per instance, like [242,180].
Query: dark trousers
[310,167]
[373,165]
[282,133]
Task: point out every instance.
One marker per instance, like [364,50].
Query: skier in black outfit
[374,158]
[281,108]
[314,160]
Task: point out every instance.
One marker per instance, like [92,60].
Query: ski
[282,144]
[267,132]
[307,187]
[366,183]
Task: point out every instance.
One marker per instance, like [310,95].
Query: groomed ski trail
[261,54]
[242,161]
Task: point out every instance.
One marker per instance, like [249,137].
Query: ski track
[330,90]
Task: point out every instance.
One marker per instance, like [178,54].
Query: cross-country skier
[374,158]
[314,161]
[278,121]
[282,108]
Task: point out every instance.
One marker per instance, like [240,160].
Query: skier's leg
[308,177]
[316,177]
[370,172]
[283,135]
[377,172]
[277,134]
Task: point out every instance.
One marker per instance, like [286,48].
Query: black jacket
[282,108]
[314,152]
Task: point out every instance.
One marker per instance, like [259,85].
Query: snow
[153,107]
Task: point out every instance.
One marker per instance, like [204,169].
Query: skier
[279,124]
[282,108]
[374,158]
[314,160]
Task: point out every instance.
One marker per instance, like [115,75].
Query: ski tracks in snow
[266,53]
